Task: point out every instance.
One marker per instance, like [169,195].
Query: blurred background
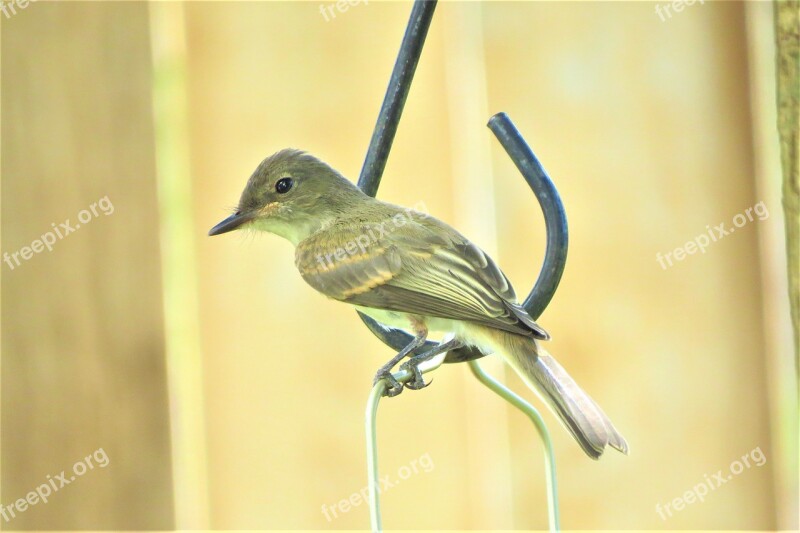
[225,393]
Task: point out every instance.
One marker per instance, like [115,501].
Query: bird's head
[292,194]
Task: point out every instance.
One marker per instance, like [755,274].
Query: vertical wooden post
[83,336]
[787,35]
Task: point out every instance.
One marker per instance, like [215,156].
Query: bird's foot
[393,387]
[412,365]
[417,382]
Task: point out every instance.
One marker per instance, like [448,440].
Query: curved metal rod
[372,436]
[555,219]
[538,421]
[540,296]
[371,431]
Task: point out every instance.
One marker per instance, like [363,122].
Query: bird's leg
[412,365]
[385,372]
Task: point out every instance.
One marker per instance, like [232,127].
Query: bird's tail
[582,417]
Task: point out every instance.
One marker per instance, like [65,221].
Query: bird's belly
[392,319]
[405,321]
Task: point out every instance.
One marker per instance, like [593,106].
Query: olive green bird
[410,271]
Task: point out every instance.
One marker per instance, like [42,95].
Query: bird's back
[396,259]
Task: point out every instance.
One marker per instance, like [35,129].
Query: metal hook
[540,295]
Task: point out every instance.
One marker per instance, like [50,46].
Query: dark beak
[231,223]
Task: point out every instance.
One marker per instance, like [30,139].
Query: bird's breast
[468,333]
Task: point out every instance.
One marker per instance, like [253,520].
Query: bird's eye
[284,185]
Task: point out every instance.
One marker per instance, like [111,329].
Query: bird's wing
[423,267]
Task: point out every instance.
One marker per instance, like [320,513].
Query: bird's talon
[417,382]
[393,387]
[417,385]
[393,391]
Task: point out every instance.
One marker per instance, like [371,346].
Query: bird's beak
[231,223]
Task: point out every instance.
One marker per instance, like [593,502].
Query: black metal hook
[396,94]
[517,149]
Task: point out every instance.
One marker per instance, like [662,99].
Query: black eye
[283,185]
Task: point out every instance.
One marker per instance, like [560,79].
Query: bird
[408,270]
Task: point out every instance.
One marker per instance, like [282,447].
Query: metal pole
[541,294]
[371,415]
[396,94]
[536,418]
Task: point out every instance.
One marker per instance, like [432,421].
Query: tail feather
[581,415]
[587,422]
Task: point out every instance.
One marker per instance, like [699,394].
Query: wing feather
[424,268]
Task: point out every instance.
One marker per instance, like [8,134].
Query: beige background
[228,394]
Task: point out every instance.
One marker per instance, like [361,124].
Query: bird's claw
[417,385]
[393,387]
[417,382]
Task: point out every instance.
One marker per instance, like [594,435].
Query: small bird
[410,271]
